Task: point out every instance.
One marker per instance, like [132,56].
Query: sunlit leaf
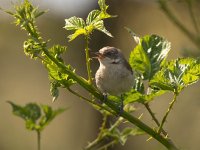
[93,16]
[76,34]
[100,26]
[133,96]
[74,23]
[104,7]
[177,74]
[148,56]
[33,48]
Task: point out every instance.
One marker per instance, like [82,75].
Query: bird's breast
[114,79]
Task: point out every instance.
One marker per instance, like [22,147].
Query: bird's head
[109,55]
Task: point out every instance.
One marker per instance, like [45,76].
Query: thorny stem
[89,73]
[154,118]
[103,126]
[170,15]
[167,112]
[90,101]
[100,139]
[104,147]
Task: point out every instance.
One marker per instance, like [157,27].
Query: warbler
[115,75]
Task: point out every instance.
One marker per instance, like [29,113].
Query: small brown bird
[114,75]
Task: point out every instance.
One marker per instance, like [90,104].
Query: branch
[155,119]
[167,113]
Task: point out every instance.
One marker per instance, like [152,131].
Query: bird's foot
[105,97]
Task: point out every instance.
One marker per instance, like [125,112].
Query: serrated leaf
[77,24]
[148,56]
[104,7]
[177,74]
[32,48]
[93,16]
[100,26]
[74,23]
[76,34]
[132,96]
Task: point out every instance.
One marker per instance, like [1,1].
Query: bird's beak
[98,55]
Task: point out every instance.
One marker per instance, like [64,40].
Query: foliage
[154,76]
[36,116]
[94,21]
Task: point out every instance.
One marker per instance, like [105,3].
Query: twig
[154,118]
[167,113]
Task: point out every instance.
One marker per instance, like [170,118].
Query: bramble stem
[89,72]
[167,112]
[154,118]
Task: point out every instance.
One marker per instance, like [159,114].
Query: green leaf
[18,110]
[93,16]
[30,113]
[74,23]
[57,51]
[133,96]
[77,24]
[149,55]
[36,117]
[104,7]
[100,26]
[49,115]
[176,75]
[76,34]
[33,48]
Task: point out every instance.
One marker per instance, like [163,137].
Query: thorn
[150,138]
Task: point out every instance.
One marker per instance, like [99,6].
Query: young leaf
[54,89]
[99,25]
[32,48]
[148,56]
[104,7]
[176,75]
[74,23]
[77,24]
[93,16]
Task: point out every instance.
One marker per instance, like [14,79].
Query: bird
[114,75]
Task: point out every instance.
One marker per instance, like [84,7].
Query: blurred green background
[23,80]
